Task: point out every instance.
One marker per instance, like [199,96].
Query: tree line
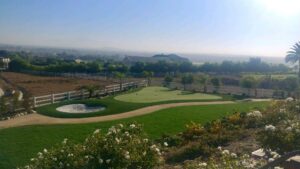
[21,62]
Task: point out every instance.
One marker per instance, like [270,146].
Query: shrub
[226,160]
[121,147]
[190,152]
[282,128]
[193,131]
[282,138]
[171,140]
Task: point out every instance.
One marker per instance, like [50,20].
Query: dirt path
[34,119]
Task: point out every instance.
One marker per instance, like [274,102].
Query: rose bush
[282,128]
[123,146]
[226,160]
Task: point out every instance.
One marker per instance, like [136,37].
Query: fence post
[52,98]
[69,95]
[34,101]
[82,93]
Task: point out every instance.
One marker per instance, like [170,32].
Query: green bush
[282,128]
[226,160]
[192,132]
[171,140]
[190,152]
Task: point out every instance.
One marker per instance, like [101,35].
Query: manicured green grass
[158,94]
[18,145]
[113,106]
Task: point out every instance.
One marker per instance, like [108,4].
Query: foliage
[17,149]
[186,80]
[253,65]
[293,56]
[90,88]
[190,152]
[215,82]
[193,131]
[248,82]
[27,102]
[226,160]
[168,79]
[123,146]
[171,140]
[63,63]
[3,106]
[282,128]
[289,83]
[148,75]
[230,81]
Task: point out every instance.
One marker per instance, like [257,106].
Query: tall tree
[148,75]
[168,79]
[120,76]
[293,56]
[216,83]
[186,80]
[248,82]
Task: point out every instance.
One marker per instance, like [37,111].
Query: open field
[158,94]
[18,145]
[41,85]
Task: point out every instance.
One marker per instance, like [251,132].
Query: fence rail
[233,90]
[82,94]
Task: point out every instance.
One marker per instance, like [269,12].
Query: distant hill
[155,58]
[170,58]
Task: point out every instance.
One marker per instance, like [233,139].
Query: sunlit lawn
[18,145]
[158,94]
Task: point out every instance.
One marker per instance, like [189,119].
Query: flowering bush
[123,146]
[283,138]
[193,131]
[226,160]
[282,130]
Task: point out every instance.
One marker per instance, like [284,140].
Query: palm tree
[293,56]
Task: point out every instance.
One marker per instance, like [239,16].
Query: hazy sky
[250,27]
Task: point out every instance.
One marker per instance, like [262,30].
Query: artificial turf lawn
[18,145]
[158,94]
[113,106]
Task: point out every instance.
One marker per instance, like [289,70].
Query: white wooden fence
[81,94]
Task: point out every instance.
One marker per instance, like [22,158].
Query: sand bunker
[79,108]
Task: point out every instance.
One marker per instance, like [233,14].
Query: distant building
[78,61]
[4,63]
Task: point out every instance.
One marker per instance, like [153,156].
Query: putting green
[158,94]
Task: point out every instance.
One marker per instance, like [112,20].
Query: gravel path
[34,119]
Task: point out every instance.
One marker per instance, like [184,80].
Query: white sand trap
[79,108]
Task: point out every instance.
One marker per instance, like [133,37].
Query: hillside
[155,58]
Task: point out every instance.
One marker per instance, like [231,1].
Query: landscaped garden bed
[20,148]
